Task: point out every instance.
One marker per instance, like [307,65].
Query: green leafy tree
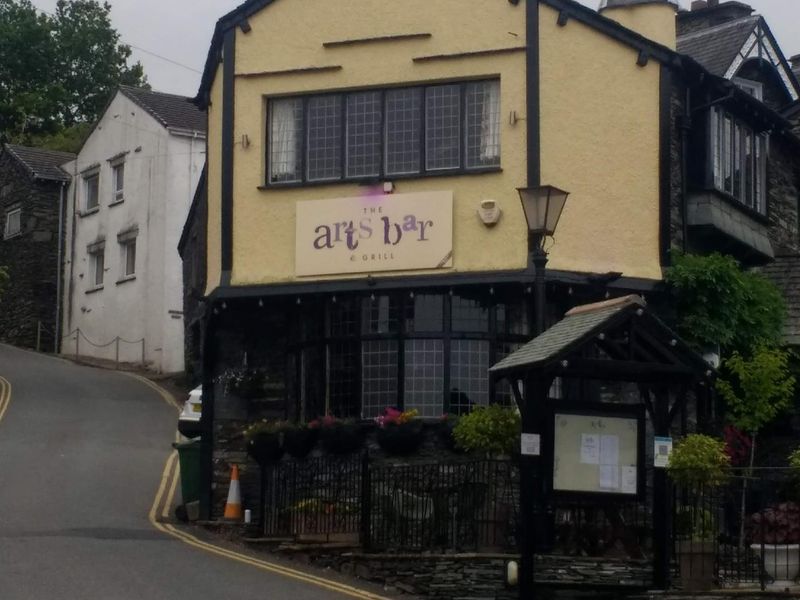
[58,70]
[756,390]
[718,303]
[3,280]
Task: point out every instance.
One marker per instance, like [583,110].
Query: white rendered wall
[161,172]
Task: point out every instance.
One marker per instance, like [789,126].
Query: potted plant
[264,440]
[399,432]
[699,464]
[493,430]
[340,436]
[775,534]
[245,382]
[299,438]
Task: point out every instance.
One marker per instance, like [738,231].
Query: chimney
[699,4]
[795,60]
[654,19]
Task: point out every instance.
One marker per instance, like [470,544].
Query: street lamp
[542,206]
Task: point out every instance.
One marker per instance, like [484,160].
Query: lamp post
[542,206]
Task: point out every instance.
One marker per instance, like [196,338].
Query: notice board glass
[595,453]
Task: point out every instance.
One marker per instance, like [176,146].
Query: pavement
[87,481]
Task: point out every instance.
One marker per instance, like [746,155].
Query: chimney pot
[795,60]
[699,4]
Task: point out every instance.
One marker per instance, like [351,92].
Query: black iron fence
[467,505]
[746,531]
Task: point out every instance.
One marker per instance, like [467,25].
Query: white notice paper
[590,449]
[628,480]
[609,477]
[609,450]
[530,444]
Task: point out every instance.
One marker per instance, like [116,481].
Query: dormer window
[739,160]
[754,88]
[368,135]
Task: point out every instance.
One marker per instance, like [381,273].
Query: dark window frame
[423,170]
[324,339]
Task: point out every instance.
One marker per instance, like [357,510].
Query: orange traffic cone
[233,507]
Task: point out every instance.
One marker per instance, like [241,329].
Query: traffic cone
[233,507]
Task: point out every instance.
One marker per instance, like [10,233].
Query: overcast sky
[180,31]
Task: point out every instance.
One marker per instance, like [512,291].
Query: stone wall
[481,576]
[677,209]
[193,255]
[783,177]
[31,257]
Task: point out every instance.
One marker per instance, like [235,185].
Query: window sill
[116,202]
[91,211]
[97,288]
[731,200]
[12,236]
[126,279]
[385,178]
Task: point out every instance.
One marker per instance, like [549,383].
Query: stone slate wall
[481,576]
[193,256]
[31,257]
[677,119]
[783,176]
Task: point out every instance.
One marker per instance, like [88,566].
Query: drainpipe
[59,275]
[70,290]
[686,128]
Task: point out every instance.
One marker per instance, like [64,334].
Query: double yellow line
[162,505]
[5,396]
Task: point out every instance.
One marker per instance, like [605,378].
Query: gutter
[59,267]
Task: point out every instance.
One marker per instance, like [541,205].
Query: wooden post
[117,352]
[662,515]
[38,336]
[143,363]
[77,343]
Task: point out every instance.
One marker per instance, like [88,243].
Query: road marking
[165,395]
[5,396]
[171,471]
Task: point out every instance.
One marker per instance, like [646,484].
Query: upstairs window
[117,182]
[384,133]
[91,191]
[739,161]
[97,265]
[754,88]
[13,224]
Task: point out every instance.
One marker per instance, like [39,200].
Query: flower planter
[697,564]
[299,442]
[341,438]
[265,447]
[781,561]
[400,439]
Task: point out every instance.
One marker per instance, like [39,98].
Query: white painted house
[132,185]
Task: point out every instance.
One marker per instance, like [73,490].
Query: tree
[719,304]
[58,71]
[3,279]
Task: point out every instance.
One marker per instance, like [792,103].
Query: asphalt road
[81,457]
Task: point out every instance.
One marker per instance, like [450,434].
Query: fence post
[38,336]
[77,343]
[142,352]
[366,502]
[117,353]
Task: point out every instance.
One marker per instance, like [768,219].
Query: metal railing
[467,505]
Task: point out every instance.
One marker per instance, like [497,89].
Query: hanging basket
[265,447]
[401,438]
[299,442]
[341,438]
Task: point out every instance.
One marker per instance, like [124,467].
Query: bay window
[371,134]
[738,160]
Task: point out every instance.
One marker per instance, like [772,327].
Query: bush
[490,429]
[699,460]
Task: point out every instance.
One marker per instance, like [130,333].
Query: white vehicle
[189,419]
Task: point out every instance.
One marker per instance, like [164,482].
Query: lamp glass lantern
[542,206]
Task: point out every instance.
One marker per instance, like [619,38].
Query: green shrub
[491,429]
[699,460]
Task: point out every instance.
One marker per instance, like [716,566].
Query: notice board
[597,453]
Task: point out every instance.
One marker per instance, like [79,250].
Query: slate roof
[170,110]
[785,273]
[40,163]
[717,47]
[579,323]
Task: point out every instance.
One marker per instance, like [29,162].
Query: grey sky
[180,30]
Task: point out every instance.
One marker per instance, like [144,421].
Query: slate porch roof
[172,111]
[581,325]
[41,163]
[717,47]
[785,274]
